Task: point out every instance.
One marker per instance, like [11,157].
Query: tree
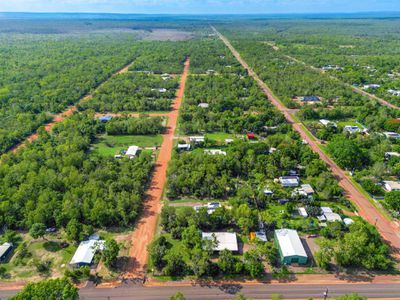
[253,264]
[74,230]
[175,265]
[110,253]
[393,200]
[158,249]
[351,297]
[199,262]
[178,296]
[37,230]
[191,236]
[346,152]
[52,289]
[227,262]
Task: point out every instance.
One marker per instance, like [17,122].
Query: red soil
[146,227]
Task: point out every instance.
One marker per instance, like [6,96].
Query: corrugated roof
[86,251]
[226,240]
[4,248]
[132,151]
[290,243]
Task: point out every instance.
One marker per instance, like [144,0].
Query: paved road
[389,230]
[262,291]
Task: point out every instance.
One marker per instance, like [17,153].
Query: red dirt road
[388,230]
[146,227]
[61,116]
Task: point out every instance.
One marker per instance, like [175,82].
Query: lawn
[220,136]
[109,145]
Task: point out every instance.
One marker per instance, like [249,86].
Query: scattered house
[132,151]
[307,188]
[51,230]
[209,71]
[250,135]
[272,150]
[204,105]
[290,247]
[326,209]
[147,72]
[165,76]
[184,147]
[270,128]
[348,221]
[268,192]
[225,240]
[214,152]
[309,99]
[332,217]
[391,185]
[85,253]
[289,181]
[228,141]
[160,90]
[197,139]
[389,155]
[5,251]
[283,201]
[105,119]
[351,129]
[371,86]
[332,67]
[394,92]
[211,207]
[261,236]
[327,123]
[302,212]
[391,135]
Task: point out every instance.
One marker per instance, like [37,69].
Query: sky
[200,6]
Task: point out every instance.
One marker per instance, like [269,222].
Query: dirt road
[146,226]
[61,116]
[389,230]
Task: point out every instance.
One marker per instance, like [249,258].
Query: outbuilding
[85,253]
[204,105]
[5,251]
[197,139]
[391,185]
[132,151]
[289,181]
[291,249]
[105,119]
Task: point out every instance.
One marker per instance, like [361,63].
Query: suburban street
[389,230]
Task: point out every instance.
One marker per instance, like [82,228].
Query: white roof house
[85,253]
[160,90]
[327,122]
[5,249]
[307,188]
[289,181]
[394,92]
[261,236]
[214,152]
[389,155]
[228,141]
[326,209]
[211,207]
[332,217]
[204,105]
[371,86]
[132,151]
[351,129]
[391,185]
[289,243]
[225,240]
[184,147]
[393,135]
[302,212]
[197,139]
[348,221]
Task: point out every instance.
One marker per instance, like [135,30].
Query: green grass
[109,145]
[350,123]
[220,136]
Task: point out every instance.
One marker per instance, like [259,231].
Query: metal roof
[226,240]
[290,243]
[132,151]
[86,251]
[4,248]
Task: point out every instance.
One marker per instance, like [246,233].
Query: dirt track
[389,230]
[146,227]
[61,116]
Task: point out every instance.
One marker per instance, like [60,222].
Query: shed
[291,249]
[105,119]
[391,135]
[184,147]
[391,185]
[348,221]
[302,212]
[225,240]
[261,236]
[389,155]
[132,151]
[310,99]
[204,105]
[351,129]
[85,253]
[326,123]
[197,139]
[5,250]
[289,181]
[332,217]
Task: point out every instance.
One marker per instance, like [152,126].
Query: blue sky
[199,6]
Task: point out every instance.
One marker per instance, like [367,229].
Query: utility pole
[326,294]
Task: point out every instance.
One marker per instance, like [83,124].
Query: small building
[132,151]
[165,76]
[291,249]
[391,185]
[5,251]
[210,71]
[391,135]
[307,188]
[389,155]
[394,92]
[211,207]
[289,181]
[197,139]
[302,212]
[105,119]
[326,209]
[332,217]
[160,90]
[250,136]
[85,253]
[268,192]
[225,240]
[214,152]
[283,201]
[371,86]
[351,129]
[204,105]
[309,99]
[184,147]
[348,221]
[260,235]
[327,123]
[228,141]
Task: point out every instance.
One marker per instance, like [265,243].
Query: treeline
[33,84]
[57,181]
[133,92]
[135,126]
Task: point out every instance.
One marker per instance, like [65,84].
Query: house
[283,201]
[225,240]
[371,86]
[209,71]
[391,185]
[302,212]
[204,105]
[394,92]
[250,136]
[132,151]
[332,217]
[268,192]
[214,152]
[327,123]
[85,253]
[197,139]
[326,209]
[211,207]
[165,76]
[228,141]
[307,188]
[348,221]
[291,249]
[184,147]
[309,99]
[332,67]
[351,129]
[289,181]
[5,251]
[391,135]
[105,119]
[389,155]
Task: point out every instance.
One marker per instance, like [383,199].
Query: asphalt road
[262,291]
